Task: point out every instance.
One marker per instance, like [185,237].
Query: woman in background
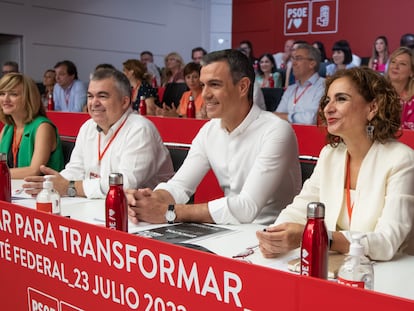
[173,71]
[192,80]
[379,56]
[341,57]
[267,72]
[401,75]
[28,138]
[139,78]
[49,81]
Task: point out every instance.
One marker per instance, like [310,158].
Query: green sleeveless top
[27,144]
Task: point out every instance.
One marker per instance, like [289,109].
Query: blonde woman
[174,69]
[401,75]
[29,138]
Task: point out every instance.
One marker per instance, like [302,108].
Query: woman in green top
[28,138]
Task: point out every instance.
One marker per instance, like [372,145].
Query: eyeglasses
[300,58]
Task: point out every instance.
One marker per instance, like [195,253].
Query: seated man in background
[113,140]
[300,101]
[252,153]
[9,66]
[69,93]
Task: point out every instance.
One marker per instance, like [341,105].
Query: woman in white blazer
[364,176]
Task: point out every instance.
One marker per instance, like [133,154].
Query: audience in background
[400,73]
[139,79]
[49,81]
[252,153]
[147,58]
[10,66]
[28,138]
[289,76]
[246,47]
[173,71]
[69,93]
[267,76]
[324,59]
[341,57]
[192,80]
[197,54]
[379,57]
[299,103]
[114,140]
[283,58]
[365,177]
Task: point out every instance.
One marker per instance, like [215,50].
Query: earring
[370,131]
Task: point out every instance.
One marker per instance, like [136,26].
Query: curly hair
[371,85]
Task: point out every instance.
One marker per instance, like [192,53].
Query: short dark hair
[146,52]
[270,58]
[343,45]
[191,67]
[198,49]
[407,40]
[70,67]
[239,65]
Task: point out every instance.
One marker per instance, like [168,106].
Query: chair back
[272,97]
[173,92]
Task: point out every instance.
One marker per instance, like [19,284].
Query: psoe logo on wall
[305,17]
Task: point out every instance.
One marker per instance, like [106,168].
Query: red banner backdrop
[50,263]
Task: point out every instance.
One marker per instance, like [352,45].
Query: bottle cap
[191,98]
[3,157]
[316,210]
[116,179]
[356,249]
[48,183]
[142,97]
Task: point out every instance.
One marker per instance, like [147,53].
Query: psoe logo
[296,19]
[39,301]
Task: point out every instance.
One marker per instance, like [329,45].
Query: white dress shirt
[256,166]
[137,152]
[383,199]
[307,96]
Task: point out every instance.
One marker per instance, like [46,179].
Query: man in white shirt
[252,153]
[300,101]
[114,140]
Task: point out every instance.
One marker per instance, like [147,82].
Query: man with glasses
[300,101]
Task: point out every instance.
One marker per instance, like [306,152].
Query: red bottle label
[355,284]
[44,207]
[116,209]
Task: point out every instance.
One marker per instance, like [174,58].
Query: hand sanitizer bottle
[48,200]
[357,270]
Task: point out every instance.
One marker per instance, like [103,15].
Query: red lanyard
[296,99]
[101,154]
[16,146]
[349,205]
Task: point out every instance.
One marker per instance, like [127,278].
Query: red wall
[359,22]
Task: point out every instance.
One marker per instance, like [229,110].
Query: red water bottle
[191,108]
[271,81]
[314,248]
[50,102]
[5,179]
[154,82]
[116,208]
[142,106]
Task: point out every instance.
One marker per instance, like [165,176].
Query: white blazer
[383,201]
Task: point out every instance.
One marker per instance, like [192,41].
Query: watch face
[170,216]
[71,192]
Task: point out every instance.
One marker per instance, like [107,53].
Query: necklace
[16,145]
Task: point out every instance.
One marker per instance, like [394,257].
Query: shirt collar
[115,126]
[249,119]
[312,80]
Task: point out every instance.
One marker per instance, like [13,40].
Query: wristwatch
[330,239]
[71,189]
[170,214]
